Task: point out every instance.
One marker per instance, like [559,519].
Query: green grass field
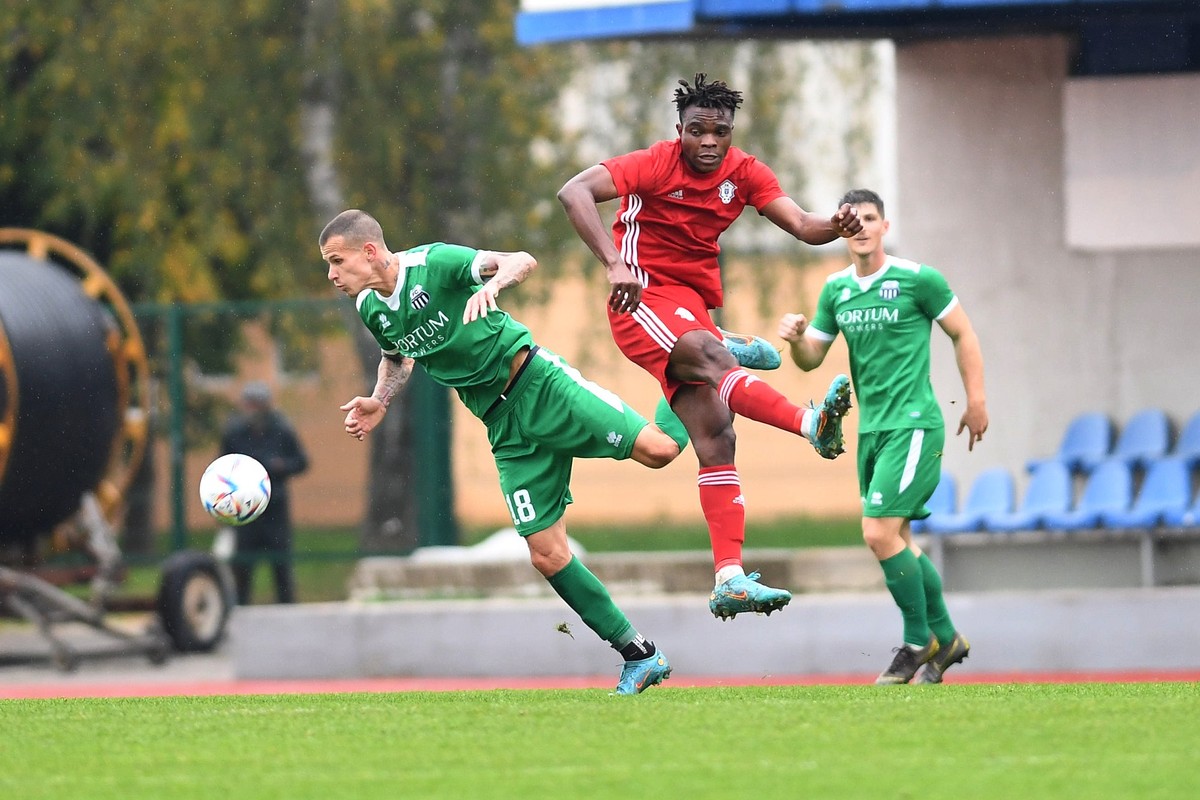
[958,741]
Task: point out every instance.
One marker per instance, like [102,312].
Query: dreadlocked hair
[713,94]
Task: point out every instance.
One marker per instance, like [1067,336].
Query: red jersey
[671,215]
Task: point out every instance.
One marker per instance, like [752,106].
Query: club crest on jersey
[726,192]
[889,290]
[418,298]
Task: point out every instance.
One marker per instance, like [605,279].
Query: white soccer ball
[235,489]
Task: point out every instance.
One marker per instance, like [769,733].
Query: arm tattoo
[393,374]
[515,268]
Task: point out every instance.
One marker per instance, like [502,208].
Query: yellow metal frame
[125,346]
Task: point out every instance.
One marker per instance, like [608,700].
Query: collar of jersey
[866,283]
[392,301]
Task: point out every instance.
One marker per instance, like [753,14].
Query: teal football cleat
[752,352]
[638,676]
[825,426]
[744,593]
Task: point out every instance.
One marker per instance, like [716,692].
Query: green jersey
[423,320]
[886,319]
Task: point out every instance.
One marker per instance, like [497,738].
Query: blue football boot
[825,425]
[752,352]
[743,593]
[638,676]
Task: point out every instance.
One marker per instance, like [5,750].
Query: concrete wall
[981,174]
[820,634]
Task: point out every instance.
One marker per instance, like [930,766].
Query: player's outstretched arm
[363,414]
[969,356]
[580,197]
[502,271]
[809,227]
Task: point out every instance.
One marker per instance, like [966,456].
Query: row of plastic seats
[1088,441]
[1108,500]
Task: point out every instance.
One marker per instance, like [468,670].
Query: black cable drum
[65,395]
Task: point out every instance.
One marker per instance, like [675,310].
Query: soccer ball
[235,489]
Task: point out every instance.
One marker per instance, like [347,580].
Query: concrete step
[802,571]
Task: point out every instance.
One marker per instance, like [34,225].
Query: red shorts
[648,335]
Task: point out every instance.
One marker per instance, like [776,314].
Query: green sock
[584,592]
[903,576]
[669,424]
[935,603]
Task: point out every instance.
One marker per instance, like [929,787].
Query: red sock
[725,510]
[754,398]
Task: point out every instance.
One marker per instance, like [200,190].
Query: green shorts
[551,416]
[898,471]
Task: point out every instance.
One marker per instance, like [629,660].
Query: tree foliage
[157,137]
[196,147]
[175,142]
[163,138]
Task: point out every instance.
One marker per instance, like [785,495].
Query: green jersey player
[435,305]
[885,306]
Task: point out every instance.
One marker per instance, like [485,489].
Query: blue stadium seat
[1109,488]
[1085,443]
[991,492]
[1049,491]
[1167,488]
[1186,517]
[1187,446]
[1145,437]
[943,501]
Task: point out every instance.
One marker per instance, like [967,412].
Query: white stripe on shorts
[655,328]
[910,463]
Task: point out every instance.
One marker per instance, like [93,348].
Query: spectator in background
[262,432]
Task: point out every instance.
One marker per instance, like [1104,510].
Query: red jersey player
[677,197]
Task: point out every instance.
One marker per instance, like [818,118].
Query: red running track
[31,691]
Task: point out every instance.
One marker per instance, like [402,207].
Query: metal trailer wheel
[195,599]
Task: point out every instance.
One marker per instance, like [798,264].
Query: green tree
[196,147]
[161,139]
[423,112]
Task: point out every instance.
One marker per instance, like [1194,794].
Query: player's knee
[701,357]
[715,360]
[882,536]
[549,550]
[662,451]
[549,563]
